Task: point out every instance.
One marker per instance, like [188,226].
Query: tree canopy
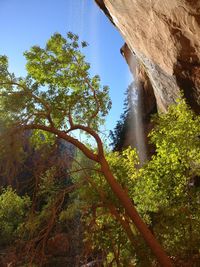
[58,97]
[165,191]
[57,90]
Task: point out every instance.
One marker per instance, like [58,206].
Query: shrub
[13,211]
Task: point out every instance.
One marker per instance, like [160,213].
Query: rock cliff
[164,37]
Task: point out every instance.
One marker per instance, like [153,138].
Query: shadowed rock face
[142,81]
[146,102]
[165,38]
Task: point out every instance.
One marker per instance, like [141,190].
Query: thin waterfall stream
[136,134]
[136,121]
[138,125]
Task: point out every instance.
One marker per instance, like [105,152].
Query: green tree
[177,159]
[164,191]
[13,212]
[107,226]
[59,97]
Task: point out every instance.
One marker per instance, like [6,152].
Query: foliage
[13,212]
[58,85]
[102,211]
[47,192]
[52,185]
[44,175]
[164,191]
[177,158]
[58,96]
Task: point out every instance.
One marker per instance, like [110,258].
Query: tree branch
[28,91]
[93,134]
[86,80]
[66,137]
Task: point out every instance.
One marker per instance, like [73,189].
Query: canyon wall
[164,39]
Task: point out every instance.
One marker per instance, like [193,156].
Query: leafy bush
[13,211]
[165,189]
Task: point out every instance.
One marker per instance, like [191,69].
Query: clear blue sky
[28,22]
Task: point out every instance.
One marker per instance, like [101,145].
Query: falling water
[137,122]
[136,136]
[138,125]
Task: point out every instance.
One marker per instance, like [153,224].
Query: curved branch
[93,134]
[95,98]
[66,137]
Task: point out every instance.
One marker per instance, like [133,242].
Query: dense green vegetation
[165,191]
[13,211]
[92,185]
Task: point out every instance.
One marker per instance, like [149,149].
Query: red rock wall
[165,38]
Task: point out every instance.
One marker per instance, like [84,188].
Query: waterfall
[136,135]
[137,123]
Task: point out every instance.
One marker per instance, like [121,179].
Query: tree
[177,159]
[102,212]
[59,97]
[13,211]
[165,191]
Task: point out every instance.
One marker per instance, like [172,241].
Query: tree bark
[126,202]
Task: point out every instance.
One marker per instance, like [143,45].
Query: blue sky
[26,23]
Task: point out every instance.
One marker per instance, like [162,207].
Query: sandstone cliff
[164,38]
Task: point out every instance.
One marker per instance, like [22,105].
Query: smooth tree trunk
[126,202]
